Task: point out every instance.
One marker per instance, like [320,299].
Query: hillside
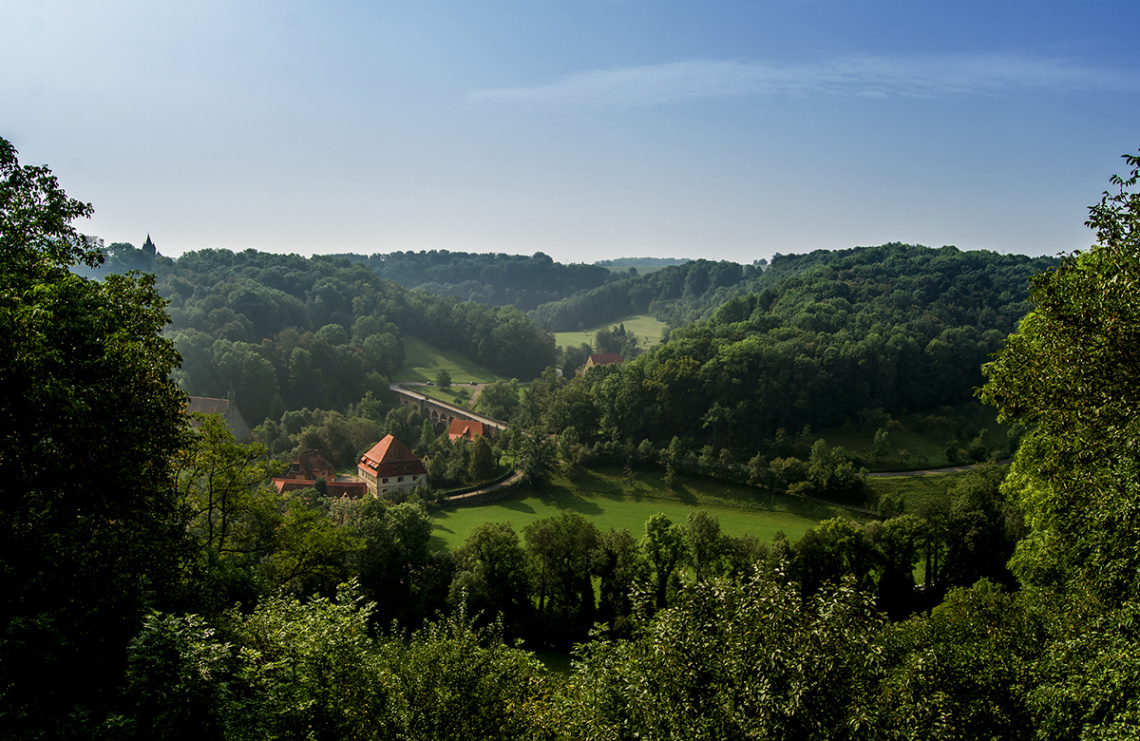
[491,279]
[286,332]
[829,339]
[810,339]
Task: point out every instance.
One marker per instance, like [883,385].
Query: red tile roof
[603,358]
[311,466]
[464,428]
[284,485]
[390,457]
[351,489]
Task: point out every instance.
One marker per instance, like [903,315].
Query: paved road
[401,388]
[475,388]
[493,487]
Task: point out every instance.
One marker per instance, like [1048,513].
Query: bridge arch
[440,413]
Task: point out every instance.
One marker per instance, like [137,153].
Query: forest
[491,279]
[153,585]
[286,332]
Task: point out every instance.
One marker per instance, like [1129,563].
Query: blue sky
[585,129]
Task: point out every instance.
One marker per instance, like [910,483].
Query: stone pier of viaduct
[440,412]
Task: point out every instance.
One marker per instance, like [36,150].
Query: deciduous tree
[1072,375]
[90,529]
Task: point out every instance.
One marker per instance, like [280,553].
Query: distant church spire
[148,247]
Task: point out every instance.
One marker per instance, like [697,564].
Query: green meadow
[422,361]
[647,329]
[912,494]
[610,499]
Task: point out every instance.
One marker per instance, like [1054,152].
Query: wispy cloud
[859,76]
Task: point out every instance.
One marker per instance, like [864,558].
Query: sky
[584,129]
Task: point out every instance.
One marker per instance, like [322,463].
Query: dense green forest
[676,294]
[152,586]
[495,280]
[827,337]
[286,332]
[561,297]
[842,338]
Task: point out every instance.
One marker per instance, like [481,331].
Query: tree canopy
[1072,375]
[90,530]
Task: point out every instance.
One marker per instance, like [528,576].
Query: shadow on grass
[517,506]
[685,495]
[586,492]
[641,486]
[800,507]
[568,497]
[581,505]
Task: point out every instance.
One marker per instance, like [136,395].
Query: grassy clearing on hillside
[647,329]
[922,436]
[610,500]
[422,361]
[457,394]
[912,494]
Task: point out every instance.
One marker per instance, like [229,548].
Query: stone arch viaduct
[440,412]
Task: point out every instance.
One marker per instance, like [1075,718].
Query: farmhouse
[390,465]
[307,468]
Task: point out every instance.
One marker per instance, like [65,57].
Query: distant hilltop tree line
[492,279]
[623,262]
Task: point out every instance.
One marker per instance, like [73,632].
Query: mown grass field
[609,499]
[647,329]
[423,361]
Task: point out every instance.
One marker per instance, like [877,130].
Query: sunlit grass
[422,361]
[647,329]
[610,499]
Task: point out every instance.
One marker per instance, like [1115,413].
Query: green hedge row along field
[610,499]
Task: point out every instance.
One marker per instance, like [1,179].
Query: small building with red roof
[307,468]
[602,358]
[390,465]
[466,429]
